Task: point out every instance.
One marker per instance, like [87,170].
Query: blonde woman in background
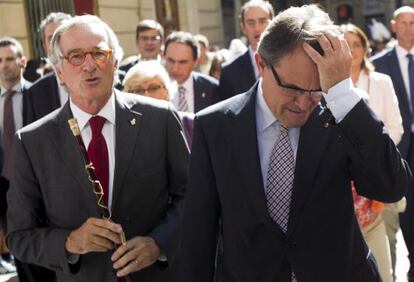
[380,96]
[149,78]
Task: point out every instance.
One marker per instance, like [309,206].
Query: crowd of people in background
[175,166]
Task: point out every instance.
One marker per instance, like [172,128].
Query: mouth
[92,80]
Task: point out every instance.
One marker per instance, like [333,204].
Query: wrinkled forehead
[85,36]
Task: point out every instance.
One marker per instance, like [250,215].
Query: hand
[135,255]
[95,235]
[335,65]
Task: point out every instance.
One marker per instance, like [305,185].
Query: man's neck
[8,85]
[406,45]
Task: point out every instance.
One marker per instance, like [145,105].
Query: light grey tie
[182,101]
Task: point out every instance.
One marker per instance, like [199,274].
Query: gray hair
[10,41]
[58,17]
[402,10]
[256,3]
[290,28]
[82,21]
[144,71]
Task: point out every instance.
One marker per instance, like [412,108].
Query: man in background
[195,91]
[399,65]
[239,75]
[47,94]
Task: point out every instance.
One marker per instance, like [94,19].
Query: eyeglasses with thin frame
[77,57]
[152,88]
[295,91]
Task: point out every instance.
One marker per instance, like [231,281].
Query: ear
[393,25]
[242,28]
[23,62]
[59,74]
[260,64]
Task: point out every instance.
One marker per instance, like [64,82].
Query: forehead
[8,51]
[256,12]
[149,32]
[50,28]
[83,37]
[351,37]
[299,69]
[405,17]
[179,51]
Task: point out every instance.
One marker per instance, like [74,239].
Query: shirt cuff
[342,98]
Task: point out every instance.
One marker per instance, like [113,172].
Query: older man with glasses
[271,169]
[127,163]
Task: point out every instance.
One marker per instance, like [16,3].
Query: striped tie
[182,101]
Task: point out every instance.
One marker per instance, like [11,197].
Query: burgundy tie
[9,130]
[98,153]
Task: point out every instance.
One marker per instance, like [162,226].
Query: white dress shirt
[256,70]
[108,131]
[340,99]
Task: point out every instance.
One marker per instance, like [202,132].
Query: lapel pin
[133,121]
[326,124]
[203,95]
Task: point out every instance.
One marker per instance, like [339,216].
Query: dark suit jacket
[205,91]
[43,98]
[323,241]
[51,195]
[387,63]
[4,183]
[237,76]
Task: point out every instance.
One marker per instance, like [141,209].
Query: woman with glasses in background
[380,95]
[149,78]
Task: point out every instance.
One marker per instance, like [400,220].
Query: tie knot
[96,123]
[410,56]
[9,93]
[181,90]
[283,129]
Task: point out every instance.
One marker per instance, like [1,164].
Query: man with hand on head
[139,156]
[282,193]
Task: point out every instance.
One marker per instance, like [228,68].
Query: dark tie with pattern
[98,153]
[8,132]
[411,79]
[280,177]
[182,101]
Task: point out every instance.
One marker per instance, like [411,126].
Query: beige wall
[201,16]
[196,16]
[13,22]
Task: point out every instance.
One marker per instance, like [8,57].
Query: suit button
[293,245]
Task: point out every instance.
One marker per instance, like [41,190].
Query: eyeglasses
[151,89]
[295,91]
[145,38]
[77,57]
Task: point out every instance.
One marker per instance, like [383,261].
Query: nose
[304,100]
[89,64]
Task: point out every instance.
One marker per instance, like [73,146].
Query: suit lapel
[67,147]
[248,65]
[312,142]
[242,126]
[128,123]
[396,74]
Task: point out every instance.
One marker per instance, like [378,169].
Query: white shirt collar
[188,84]
[402,53]
[17,87]
[264,115]
[108,112]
